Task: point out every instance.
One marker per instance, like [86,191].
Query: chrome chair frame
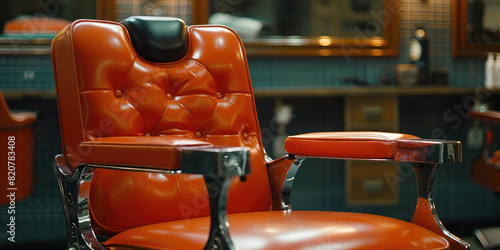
[425,165]
[219,166]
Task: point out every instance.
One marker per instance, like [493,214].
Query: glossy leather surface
[107,94]
[424,217]
[18,125]
[117,108]
[155,151]
[287,230]
[366,145]
[156,39]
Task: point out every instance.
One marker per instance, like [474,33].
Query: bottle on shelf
[419,53]
[489,69]
[496,71]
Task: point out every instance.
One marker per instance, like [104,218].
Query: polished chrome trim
[342,158]
[225,161]
[286,191]
[218,165]
[267,158]
[425,174]
[136,169]
[429,151]
[83,212]
[218,189]
[76,208]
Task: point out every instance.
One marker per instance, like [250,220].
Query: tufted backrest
[106,88]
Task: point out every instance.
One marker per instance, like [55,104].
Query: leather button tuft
[147,134]
[118,93]
[197,134]
[245,136]
[170,96]
[219,95]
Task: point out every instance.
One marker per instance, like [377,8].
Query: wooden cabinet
[371,113]
[368,182]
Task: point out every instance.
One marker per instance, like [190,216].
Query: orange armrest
[373,146]
[488,116]
[161,152]
[192,156]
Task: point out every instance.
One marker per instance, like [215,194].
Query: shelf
[330,92]
[25,45]
[371,91]
[29,94]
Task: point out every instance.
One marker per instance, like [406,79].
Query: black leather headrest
[158,39]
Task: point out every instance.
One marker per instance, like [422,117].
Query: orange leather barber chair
[162,150]
[16,135]
[485,171]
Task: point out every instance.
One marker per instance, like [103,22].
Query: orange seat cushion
[365,145]
[286,230]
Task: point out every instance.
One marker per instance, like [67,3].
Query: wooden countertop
[378,91]
[321,92]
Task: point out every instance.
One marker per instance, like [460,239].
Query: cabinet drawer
[369,113]
[371,183]
[367,182]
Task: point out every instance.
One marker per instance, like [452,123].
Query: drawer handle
[373,186]
[372,113]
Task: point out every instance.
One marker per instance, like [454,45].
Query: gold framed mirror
[380,39]
[474,27]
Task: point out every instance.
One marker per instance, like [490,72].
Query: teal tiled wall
[26,73]
[320,184]
[39,217]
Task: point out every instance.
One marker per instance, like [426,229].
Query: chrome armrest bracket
[76,207]
[286,193]
[425,156]
[428,151]
[218,167]
[282,173]
[80,234]
[425,212]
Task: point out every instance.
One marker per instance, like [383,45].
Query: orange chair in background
[159,128]
[16,135]
[28,25]
[485,171]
